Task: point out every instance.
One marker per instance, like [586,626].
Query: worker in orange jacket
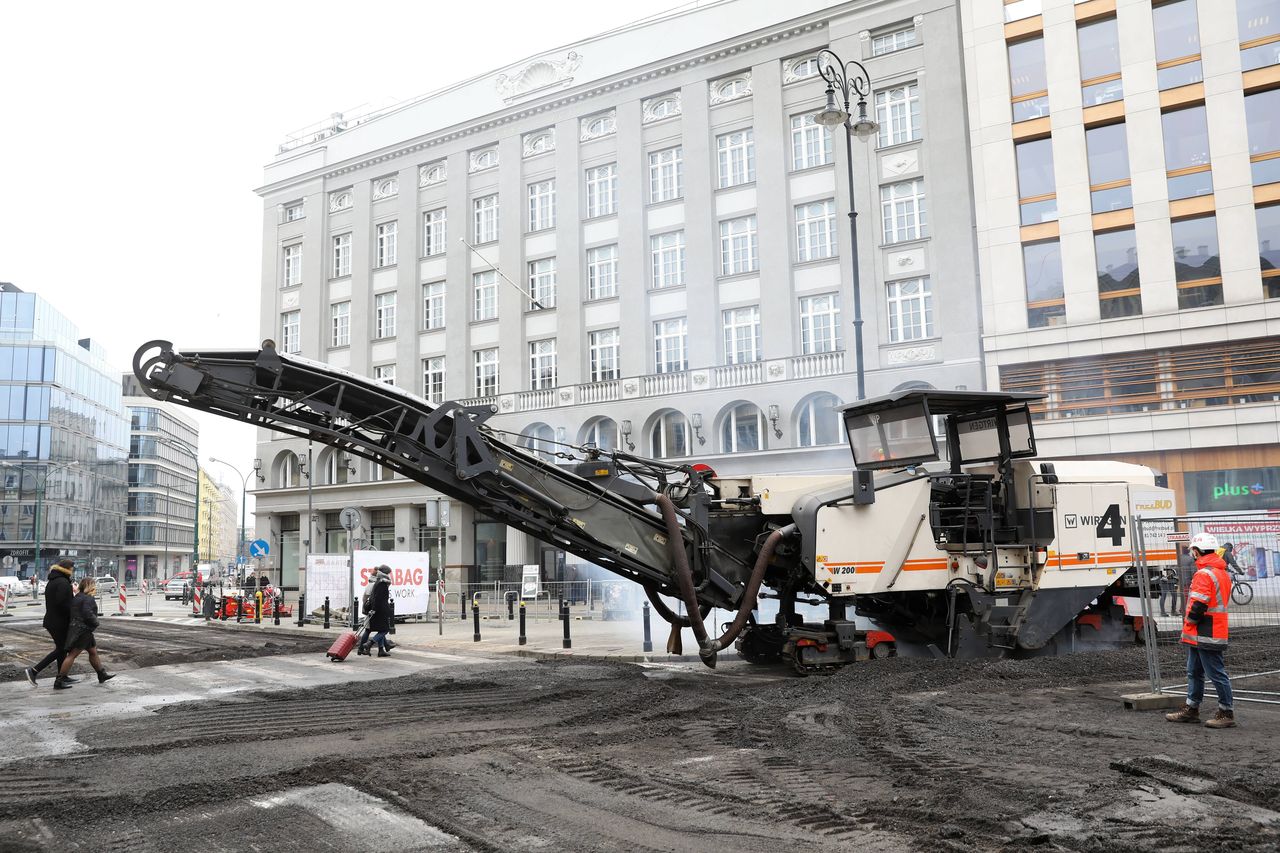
[1204,631]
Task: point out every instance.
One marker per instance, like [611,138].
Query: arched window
[335,468]
[803,68]
[288,473]
[742,429]
[733,88]
[539,439]
[539,143]
[669,436]
[663,108]
[817,422]
[600,126]
[602,432]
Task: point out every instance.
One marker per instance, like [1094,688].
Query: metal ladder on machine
[1002,620]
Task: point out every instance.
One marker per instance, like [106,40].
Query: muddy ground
[896,755]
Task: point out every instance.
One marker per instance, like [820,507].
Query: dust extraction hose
[707,647]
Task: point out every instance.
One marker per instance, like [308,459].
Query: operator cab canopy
[898,429]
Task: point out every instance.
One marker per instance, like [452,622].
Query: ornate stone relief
[386,188]
[700,378]
[431,174]
[730,88]
[898,163]
[539,142]
[598,125]
[775,370]
[340,200]
[506,403]
[538,76]
[799,68]
[912,355]
[630,388]
[483,158]
[661,106]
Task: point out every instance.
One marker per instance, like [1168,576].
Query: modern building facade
[160,530]
[637,241]
[63,461]
[1126,162]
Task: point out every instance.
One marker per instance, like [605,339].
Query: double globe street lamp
[852,83]
[242,558]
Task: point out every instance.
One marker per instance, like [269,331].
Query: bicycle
[1241,589]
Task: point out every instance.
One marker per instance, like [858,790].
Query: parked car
[107,585]
[17,587]
[173,586]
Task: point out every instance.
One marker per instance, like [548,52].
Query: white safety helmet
[1204,542]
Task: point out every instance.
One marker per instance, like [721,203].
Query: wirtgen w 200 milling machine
[988,553]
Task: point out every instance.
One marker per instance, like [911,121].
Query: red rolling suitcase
[342,646]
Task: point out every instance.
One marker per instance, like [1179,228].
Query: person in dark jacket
[379,611]
[84,618]
[57,615]
[1229,557]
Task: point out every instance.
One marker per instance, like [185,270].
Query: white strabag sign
[410,578]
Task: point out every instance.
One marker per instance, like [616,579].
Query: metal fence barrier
[1251,548]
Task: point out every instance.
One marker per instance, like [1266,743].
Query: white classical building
[638,240]
[1126,159]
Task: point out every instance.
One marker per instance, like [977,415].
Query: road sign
[259,548]
[350,518]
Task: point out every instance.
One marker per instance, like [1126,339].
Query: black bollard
[257,608]
[511,605]
[239,608]
[302,600]
[355,614]
[523,638]
[475,620]
[648,638]
[564,615]
[393,615]
[222,607]
[462,599]
[326,612]
[275,601]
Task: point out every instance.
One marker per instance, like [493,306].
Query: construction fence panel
[1250,544]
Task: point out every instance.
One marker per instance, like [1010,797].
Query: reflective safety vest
[1211,586]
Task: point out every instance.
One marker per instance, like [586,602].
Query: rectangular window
[341,255]
[739,246]
[820,323]
[1177,44]
[1028,80]
[810,143]
[486,218]
[1197,266]
[1108,151]
[1099,43]
[1119,288]
[1268,219]
[386,244]
[291,331]
[910,304]
[1046,296]
[542,364]
[1262,116]
[385,373]
[902,210]
[670,353]
[1038,197]
[736,156]
[384,315]
[542,205]
[667,253]
[293,265]
[602,272]
[815,230]
[486,372]
[666,174]
[1186,153]
[484,304]
[433,305]
[1259,22]
[742,335]
[894,40]
[434,233]
[898,112]
[542,284]
[340,324]
[602,190]
[294,212]
[433,379]
[602,349]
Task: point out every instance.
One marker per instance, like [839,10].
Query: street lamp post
[307,471]
[242,558]
[849,79]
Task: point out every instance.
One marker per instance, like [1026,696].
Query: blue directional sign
[259,548]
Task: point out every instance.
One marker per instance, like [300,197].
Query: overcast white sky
[132,135]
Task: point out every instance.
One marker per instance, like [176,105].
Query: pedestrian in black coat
[57,614]
[84,619]
[379,611]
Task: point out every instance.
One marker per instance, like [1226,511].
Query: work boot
[60,683]
[70,680]
[1222,720]
[363,650]
[31,675]
[104,676]
[1188,714]
[383,653]
[391,645]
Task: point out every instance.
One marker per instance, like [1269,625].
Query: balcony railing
[812,366]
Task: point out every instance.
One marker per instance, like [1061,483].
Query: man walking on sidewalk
[57,615]
[1204,631]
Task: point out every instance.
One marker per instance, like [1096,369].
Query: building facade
[1126,159]
[160,530]
[219,521]
[637,241]
[65,443]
